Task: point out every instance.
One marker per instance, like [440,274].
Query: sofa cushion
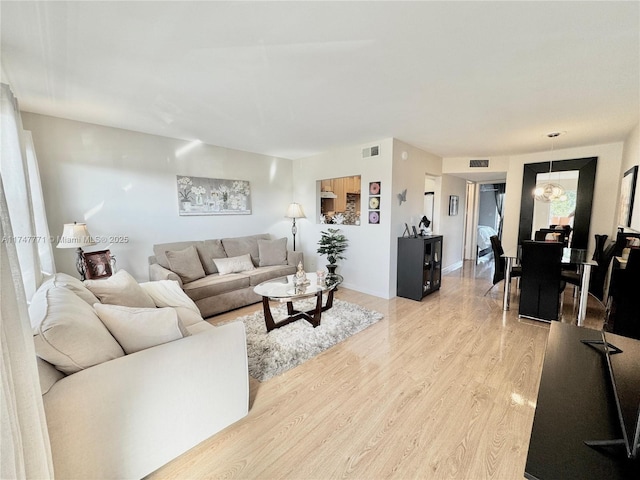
[263,274]
[199,328]
[120,289]
[137,329]
[160,250]
[167,293]
[239,264]
[215,285]
[48,375]
[240,245]
[272,252]
[67,332]
[186,263]
[73,284]
[208,250]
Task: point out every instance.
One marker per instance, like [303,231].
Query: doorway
[431,201]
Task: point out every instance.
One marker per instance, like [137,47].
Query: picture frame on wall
[213,196]
[627,195]
[453,205]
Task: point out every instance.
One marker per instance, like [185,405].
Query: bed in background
[483,242]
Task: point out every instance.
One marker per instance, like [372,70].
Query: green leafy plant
[332,244]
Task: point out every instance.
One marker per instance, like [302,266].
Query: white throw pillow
[136,329]
[68,333]
[238,264]
[75,285]
[167,293]
[120,289]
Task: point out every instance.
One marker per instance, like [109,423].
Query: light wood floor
[443,388]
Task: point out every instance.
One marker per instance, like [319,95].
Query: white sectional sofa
[124,415]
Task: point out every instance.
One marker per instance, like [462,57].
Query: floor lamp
[75,235]
[294,211]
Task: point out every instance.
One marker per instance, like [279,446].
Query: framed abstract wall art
[453,205]
[213,196]
[374,202]
[627,194]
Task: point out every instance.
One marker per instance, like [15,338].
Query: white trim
[452,267]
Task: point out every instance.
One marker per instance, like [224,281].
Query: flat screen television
[623,368]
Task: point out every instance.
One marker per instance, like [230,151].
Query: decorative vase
[331,268]
[186,206]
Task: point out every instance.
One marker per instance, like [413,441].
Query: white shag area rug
[273,353]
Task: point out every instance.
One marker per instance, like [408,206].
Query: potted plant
[332,244]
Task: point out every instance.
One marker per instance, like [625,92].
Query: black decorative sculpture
[424,225]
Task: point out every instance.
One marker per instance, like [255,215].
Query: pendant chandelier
[549,191]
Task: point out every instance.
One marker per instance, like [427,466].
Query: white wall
[452,227]
[123,183]
[631,157]
[605,197]
[367,263]
[409,173]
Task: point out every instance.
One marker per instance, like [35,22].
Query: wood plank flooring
[440,389]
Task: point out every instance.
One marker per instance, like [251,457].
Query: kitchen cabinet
[339,190]
[352,184]
[344,198]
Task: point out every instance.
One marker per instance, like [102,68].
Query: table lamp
[295,211]
[75,235]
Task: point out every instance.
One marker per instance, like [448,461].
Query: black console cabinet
[576,403]
[419,266]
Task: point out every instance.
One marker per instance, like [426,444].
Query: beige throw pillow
[272,252]
[68,333]
[137,329]
[120,289]
[186,263]
[75,285]
[242,263]
[167,293]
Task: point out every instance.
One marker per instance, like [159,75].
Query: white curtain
[24,446]
[25,451]
[19,168]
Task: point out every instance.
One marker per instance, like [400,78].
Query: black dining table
[577,257]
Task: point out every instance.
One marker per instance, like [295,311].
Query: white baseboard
[452,267]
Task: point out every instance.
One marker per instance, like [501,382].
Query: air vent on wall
[479,163]
[371,151]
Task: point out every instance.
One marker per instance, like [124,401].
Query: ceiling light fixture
[550,191]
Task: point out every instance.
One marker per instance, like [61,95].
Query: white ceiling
[292,79]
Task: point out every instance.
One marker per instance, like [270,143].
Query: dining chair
[541,283]
[569,273]
[603,256]
[499,263]
[546,234]
[625,315]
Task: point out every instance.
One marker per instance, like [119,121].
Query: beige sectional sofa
[112,414]
[196,266]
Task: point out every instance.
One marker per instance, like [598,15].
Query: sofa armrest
[129,416]
[158,272]
[294,258]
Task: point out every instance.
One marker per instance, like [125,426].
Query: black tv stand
[575,402]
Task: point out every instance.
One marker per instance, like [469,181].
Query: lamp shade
[75,235]
[295,211]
